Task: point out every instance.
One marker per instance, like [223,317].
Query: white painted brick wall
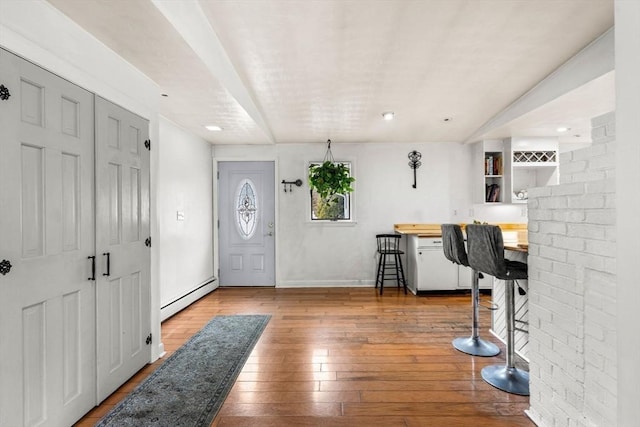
[572,303]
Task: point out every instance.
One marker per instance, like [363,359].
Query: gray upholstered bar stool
[454,251]
[485,250]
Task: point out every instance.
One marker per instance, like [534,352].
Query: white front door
[246,209]
[47,302]
[122,227]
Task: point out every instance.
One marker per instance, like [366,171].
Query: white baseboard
[533,418]
[326,284]
[183,302]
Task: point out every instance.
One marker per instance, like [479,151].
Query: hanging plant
[330,178]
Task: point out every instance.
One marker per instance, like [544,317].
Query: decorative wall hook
[415,163]
[297,182]
[4,92]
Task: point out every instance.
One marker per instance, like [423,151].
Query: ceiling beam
[193,26]
[595,60]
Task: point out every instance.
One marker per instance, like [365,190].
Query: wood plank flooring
[349,357]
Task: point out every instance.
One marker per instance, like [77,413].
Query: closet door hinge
[147,144]
[147,242]
[4,92]
[148,340]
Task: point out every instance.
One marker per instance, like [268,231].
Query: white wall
[185,246]
[572,288]
[627,17]
[340,254]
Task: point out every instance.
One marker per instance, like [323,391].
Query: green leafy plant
[475,221]
[329,179]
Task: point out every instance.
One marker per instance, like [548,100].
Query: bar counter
[516,247]
[514,234]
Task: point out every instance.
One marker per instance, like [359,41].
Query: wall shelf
[508,168]
[489,161]
[531,162]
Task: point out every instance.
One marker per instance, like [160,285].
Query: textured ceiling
[289,71]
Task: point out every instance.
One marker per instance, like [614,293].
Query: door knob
[5,267]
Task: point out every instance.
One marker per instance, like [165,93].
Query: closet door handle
[93,267]
[108,255]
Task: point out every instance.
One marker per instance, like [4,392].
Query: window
[337,209]
[246,209]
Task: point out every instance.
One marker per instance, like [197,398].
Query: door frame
[216,204]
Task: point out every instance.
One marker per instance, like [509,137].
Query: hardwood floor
[348,357]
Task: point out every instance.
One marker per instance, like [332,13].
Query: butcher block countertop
[422,230]
[515,234]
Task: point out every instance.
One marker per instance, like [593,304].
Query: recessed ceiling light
[563,129]
[388,115]
[213,128]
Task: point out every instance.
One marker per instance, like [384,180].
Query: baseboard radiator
[187,299]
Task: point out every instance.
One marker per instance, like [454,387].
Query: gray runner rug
[189,388]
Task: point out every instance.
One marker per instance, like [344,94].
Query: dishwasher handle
[429,243]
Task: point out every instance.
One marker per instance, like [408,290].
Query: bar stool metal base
[475,346]
[511,380]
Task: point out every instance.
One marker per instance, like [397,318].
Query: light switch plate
[180,215]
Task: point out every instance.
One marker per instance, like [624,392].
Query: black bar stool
[486,254]
[389,260]
[454,251]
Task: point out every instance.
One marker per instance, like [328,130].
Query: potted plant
[330,180]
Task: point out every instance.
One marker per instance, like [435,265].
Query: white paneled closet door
[122,206]
[47,303]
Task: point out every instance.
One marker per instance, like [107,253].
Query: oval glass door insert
[246,209]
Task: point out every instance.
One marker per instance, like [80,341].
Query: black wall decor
[297,183]
[415,163]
